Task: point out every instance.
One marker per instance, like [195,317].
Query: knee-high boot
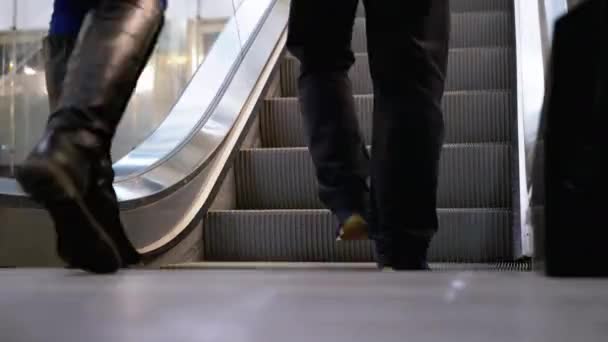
[70,170]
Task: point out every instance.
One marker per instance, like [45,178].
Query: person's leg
[66,21]
[70,170]
[408,49]
[320,34]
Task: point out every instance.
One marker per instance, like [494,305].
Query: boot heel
[45,182]
[91,248]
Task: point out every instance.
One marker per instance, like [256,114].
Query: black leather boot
[57,50]
[70,170]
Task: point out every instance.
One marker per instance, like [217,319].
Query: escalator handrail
[157,165]
[160,164]
[175,218]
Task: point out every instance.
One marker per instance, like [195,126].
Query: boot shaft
[112,48]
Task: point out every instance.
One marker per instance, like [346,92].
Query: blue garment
[68,15]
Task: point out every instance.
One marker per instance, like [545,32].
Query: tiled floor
[267,305]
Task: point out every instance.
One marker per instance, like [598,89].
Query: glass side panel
[22,93]
[189,34]
[186,40]
[7,17]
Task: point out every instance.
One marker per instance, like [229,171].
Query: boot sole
[49,185]
[354,229]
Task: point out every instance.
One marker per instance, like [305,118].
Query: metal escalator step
[480,5]
[458,6]
[472,29]
[468,69]
[471,235]
[471,176]
[514,266]
[470,117]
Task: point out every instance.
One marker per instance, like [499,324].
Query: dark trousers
[408,49]
[571,166]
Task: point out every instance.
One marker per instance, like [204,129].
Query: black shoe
[402,254]
[59,174]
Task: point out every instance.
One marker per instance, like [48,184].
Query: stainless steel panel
[532,21]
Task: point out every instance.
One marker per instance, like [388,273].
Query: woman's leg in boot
[70,170]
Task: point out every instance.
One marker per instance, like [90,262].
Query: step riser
[459,6]
[468,69]
[308,236]
[467,30]
[469,118]
[507,266]
[475,176]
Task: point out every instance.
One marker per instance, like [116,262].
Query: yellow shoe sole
[354,229]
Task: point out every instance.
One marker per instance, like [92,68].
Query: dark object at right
[572,242]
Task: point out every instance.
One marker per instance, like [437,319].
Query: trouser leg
[408,50]
[320,34]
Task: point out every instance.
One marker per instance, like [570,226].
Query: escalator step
[480,5]
[470,117]
[471,176]
[515,266]
[468,69]
[482,29]
[458,6]
[471,235]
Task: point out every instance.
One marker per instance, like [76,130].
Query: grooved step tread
[468,69]
[346,266]
[472,29]
[471,176]
[459,6]
[472,235]
[470,117]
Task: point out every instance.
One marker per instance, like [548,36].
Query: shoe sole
[50,186]
[354,229]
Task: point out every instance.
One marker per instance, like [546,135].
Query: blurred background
[191,28]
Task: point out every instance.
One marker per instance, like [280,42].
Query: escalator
[278,216]
[223,181]
[225,178]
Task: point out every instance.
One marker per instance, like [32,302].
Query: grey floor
[284,305]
